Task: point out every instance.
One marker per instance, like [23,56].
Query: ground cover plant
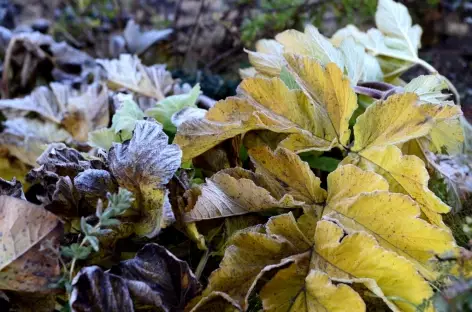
[322,185]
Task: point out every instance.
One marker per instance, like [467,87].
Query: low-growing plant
[307,191]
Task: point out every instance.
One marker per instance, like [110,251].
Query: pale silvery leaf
[311,43]
[186,114]
[393,20]
[144,165]
[138,41]
[172,104]
[268,58]
[79,111]
[428,88]
[126,116]
[360,66]
[26,138]
[103,138]
[128,72]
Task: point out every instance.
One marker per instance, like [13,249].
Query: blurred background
[203,40]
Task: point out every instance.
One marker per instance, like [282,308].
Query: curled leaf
[144,165]
[236,191]
[153,278]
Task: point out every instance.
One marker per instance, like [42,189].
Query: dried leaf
[153,278]
[25,138]
[26,263]
[236,191]
[128,72]
[138,41]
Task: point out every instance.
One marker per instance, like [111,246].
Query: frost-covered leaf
[138,41]
[361,204]
[95,183]
[28,231]
[349,56]
[236,191]
[166,108]
[359,65]
[393,20]
[154,278]
[144,165]
[310,43]
[268,58]
[79,111]
[12,188]
[186,114]
[127,115]
[428,88]
[25,138]
[395,41]
[376,127]
[128,72]
[329,255]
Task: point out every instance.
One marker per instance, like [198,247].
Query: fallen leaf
[153,278]
[26,263]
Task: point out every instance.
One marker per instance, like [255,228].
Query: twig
[195,30]
[206,102]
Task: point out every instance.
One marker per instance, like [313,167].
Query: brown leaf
[26,264]
[155,278]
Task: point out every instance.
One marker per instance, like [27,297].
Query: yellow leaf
[286,166]
[236,191]
[392,218]
[305,268]
[329,91]
[406,174]
[446,132]
[395,120]
[393,275]
[310,43]
[292,290]
[269,105]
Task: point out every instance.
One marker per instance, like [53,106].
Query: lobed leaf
[144,165]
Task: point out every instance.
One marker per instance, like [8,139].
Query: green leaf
[172,104]
[323,163]
[80,252]
[85,227]
[93,240]
[103,138]
[110,222]
[126,116]
[288,79]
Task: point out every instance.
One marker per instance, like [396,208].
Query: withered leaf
[236,191]
[155,278]
[28,231]
[13,188]
[144,165]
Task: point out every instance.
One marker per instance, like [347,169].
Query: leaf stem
[202,263]
[74,260]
